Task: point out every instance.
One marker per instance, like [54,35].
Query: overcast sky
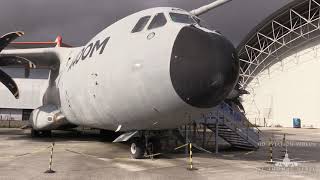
[79,20]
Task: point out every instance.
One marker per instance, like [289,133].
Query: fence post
[50,160]
[217,137]
[270,151]
[191,168]
[204,133]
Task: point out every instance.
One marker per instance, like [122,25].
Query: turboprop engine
[47,117]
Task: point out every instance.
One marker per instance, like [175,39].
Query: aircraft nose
[204,67]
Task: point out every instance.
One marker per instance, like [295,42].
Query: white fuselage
[129,83]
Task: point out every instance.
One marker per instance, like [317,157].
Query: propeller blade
[17,60]
[9,83]
[6,39]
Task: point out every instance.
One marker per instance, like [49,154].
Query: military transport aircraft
[149,72]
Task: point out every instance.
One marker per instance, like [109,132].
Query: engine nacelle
[47,117]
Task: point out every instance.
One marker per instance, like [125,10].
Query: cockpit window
[159,20]
[182,18]
[141,24]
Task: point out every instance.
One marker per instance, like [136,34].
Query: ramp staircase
[232,126]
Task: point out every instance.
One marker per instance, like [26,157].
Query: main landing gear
[137,149]
[36,133]
[144,145]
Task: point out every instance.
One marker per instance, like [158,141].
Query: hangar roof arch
[294,27]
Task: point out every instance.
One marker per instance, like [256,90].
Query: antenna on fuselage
[206,8]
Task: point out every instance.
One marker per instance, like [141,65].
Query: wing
[37,57]
[29,58]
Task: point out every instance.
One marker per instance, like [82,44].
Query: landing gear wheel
[137,149]
[35,133]
[46,133]
[154,147]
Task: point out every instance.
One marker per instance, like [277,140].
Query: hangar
[280,67]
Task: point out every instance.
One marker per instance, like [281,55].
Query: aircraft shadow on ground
[57,136]
[302,153]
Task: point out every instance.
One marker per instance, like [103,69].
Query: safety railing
[233,119]
[239,120]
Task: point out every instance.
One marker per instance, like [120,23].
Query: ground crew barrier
[189,145]
[158,154]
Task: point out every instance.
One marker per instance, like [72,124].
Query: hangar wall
[10,114]
[31,90]
[288,89]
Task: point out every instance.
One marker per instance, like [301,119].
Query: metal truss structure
[289,30]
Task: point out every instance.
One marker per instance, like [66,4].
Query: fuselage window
[182,18]
[141,24]
[159,20]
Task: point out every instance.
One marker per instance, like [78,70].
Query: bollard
[270,151]
[191,168]
[50,161]
[190,156]
[284,146]
[284,142]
